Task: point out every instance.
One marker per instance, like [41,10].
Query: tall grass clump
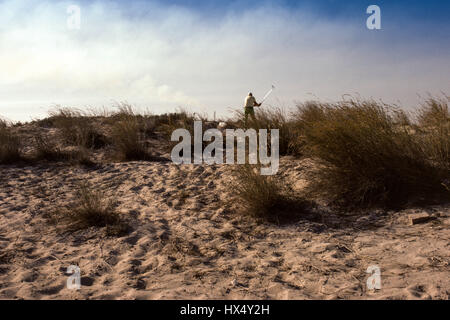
[77,129]
[10,145]
[434,129]
[365,157]
[92,208]
[434,112]
[266,197]
[146,122]
[128,137]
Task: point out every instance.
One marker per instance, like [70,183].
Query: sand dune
[187,242]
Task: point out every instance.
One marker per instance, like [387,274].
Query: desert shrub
[266,197]
[364,157]
[76,128]
[92,208]
[10,145]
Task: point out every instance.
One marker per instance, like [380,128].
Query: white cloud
[178,57]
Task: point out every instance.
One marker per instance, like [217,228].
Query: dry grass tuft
[434,112]
[91,209]
[46,150]
[10,145]
[434,130]
[365,157]
[76,128]
[128,139]
[267,197]
[146,122]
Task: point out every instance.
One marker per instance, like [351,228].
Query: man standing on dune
[250,103]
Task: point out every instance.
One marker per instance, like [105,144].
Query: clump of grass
[77,129]
[364,157]
[129,133]
[128,140]
[91,209]
[434,130]
[10,145]
[47,150]
[266,197]
[146,123]
[434,112]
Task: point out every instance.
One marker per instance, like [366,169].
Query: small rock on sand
[419,218]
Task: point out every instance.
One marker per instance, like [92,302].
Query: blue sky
[431,10]
[206,55]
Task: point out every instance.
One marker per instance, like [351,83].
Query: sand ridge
[187,242]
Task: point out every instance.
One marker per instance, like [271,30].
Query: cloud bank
[161,56]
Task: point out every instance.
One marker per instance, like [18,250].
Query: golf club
[268,94]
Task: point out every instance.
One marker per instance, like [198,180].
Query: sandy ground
[187,243]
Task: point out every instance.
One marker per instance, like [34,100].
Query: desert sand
[188,242]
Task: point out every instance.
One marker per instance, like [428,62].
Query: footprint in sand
[418,292]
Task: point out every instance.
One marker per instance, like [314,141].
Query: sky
[206,56]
